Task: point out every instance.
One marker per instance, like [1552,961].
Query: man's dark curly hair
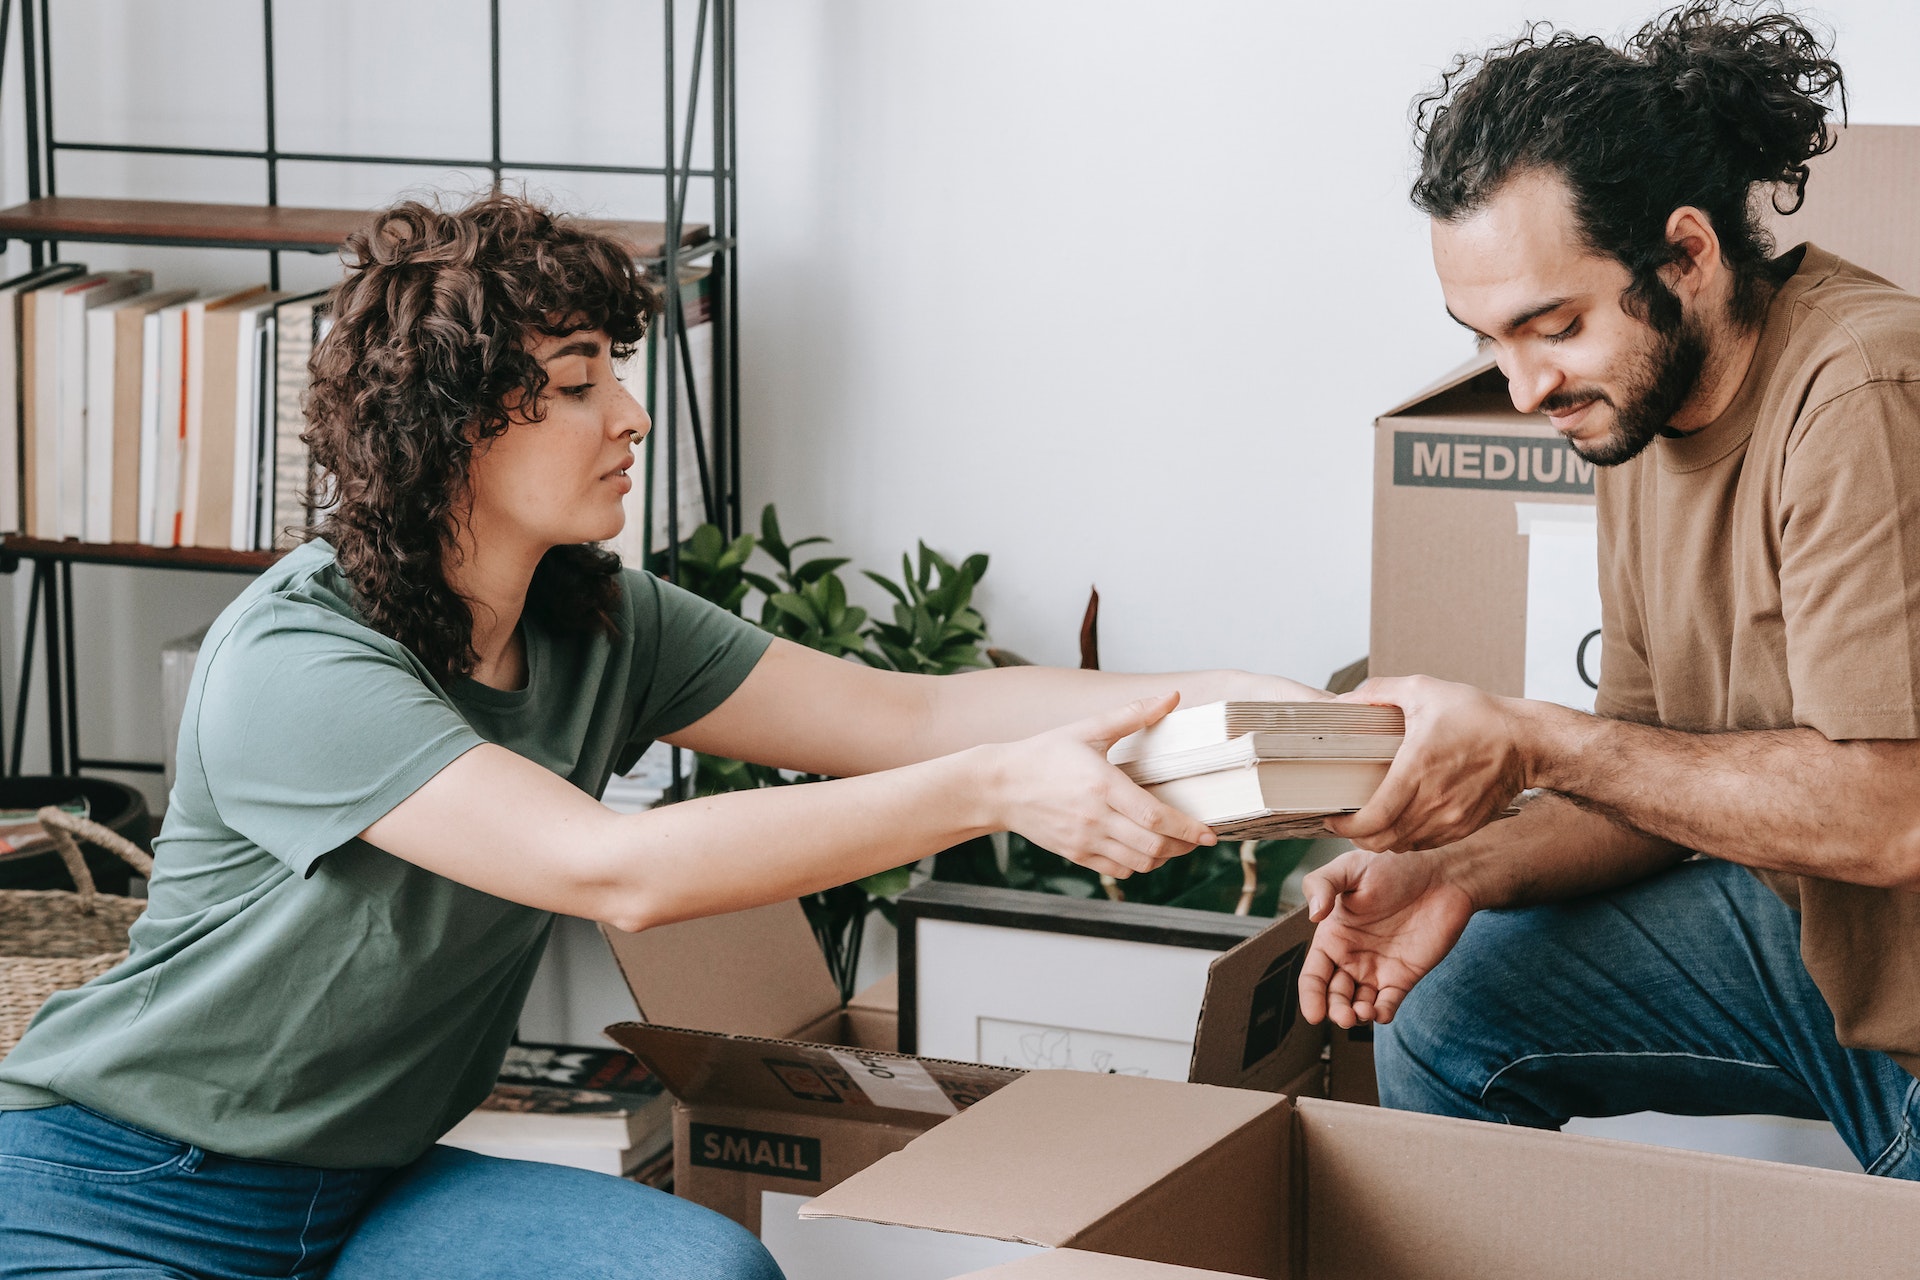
[428,354]
[1700,106]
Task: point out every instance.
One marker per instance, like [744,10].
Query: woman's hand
[1058,790]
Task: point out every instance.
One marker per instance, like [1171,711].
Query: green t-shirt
[294,993]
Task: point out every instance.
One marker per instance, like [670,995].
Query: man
[1756,422]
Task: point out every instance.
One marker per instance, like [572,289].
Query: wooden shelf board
[247,226]
[126,553]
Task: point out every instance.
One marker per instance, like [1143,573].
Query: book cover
[200,358]
[123,413]
[77,301]
[170,396]
[43,410]
[16,383]
[226,357]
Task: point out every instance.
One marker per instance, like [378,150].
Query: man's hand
[1461,764]
[1385,920]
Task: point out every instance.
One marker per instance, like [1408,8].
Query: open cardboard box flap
[1459,376]
[1357,1193]
[750,973]
[1113,1164]
[740,1011]
[1250,1033]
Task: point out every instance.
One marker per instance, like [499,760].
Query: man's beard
[1653,389]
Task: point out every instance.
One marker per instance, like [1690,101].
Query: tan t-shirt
[1764,573]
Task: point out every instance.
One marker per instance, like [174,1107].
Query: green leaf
[770,534]
[820,568]
[888,884]
[795,607]
[887,585]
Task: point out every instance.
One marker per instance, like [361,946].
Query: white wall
[1108,290]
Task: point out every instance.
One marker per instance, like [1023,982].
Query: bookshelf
[47,219]
[274,228]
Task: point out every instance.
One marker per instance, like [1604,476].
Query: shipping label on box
[1563,602]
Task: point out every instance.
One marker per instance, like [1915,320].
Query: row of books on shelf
[589,1108]
[169,418]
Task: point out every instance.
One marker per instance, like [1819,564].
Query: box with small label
[780,1087]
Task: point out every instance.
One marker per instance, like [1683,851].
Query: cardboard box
[781,1088]
[1460,480]
[1480,574]
[1350,1075]
[1860,202]
[777,1084]
[1261,1185]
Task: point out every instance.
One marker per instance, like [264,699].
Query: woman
[387,771]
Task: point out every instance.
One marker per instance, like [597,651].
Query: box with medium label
[780,1088]
[1248,1184]
[1484,558]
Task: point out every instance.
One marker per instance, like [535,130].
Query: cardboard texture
[779,1087]
[1153,1169]
[1451,466]
[1350,1076]
[1860,202]
[1450,563]
[725,1157]
[1317,1190]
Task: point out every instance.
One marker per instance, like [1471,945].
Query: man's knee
[1437,1054]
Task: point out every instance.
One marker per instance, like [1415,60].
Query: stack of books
[170,418]
[1264,770]
[589,1108]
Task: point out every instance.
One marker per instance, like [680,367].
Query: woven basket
[51,939]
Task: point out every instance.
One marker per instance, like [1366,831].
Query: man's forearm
[1551,850]
[1784,800]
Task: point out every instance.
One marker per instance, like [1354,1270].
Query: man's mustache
[1565,401]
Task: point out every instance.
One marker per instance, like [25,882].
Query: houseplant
[932,629]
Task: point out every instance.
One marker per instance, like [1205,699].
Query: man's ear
[1697,265]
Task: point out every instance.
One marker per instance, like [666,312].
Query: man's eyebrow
[578,347]
[1531,313]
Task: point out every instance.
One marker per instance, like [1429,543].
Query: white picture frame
[1042,981]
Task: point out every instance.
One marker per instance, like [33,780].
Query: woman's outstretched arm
[497,822]
[800,709]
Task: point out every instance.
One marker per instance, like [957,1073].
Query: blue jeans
[1684,993]
[83,1195]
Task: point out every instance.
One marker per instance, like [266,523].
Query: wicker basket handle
[63,827]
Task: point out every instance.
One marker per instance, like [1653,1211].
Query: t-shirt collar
[1731,429]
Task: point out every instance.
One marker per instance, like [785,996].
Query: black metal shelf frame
[718,473]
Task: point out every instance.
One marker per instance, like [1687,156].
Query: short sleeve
[311,728]
[1850,564]
[1626,679]
[689,655]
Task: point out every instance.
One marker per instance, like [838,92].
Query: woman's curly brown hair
[429,348]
